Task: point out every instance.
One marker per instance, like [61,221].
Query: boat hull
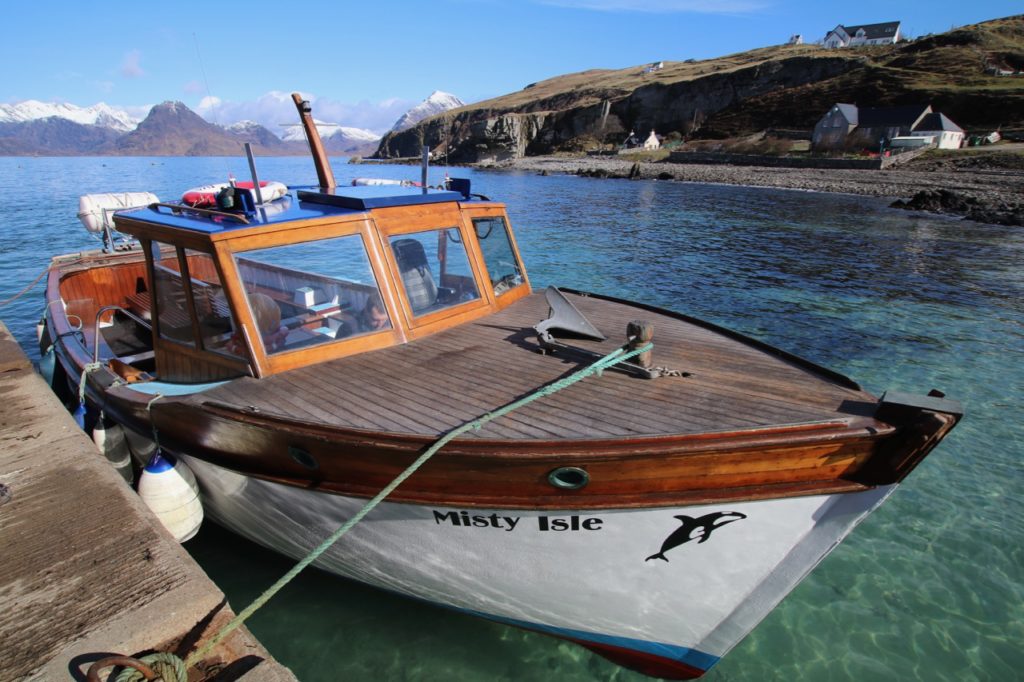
[665,591]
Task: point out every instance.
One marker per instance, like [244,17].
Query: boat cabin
[316,275]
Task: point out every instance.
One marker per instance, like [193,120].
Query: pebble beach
[992,192]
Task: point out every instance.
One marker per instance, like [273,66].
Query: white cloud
[130,67]
[661,6]
[208,103]
[275,109]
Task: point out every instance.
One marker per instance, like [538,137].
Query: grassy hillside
[950,71]
[782,87]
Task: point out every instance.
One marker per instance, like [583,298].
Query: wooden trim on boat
[805,459]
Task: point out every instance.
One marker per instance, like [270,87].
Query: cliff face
[574,121]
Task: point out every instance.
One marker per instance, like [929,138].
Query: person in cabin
[373,317]
[268,319]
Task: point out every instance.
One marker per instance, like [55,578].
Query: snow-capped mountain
[337,138]
[437,103]
[295,133]
[101,114]
[243,127]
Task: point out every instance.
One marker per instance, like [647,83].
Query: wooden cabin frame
[191,362]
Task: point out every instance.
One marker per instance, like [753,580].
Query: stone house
[834,127]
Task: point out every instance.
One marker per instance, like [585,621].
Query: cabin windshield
[434,269]
[313,293]
[496,246]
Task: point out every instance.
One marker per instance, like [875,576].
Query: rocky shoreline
[992,194]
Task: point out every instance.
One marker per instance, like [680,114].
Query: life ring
[206,196]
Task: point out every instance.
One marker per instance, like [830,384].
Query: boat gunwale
[829,430]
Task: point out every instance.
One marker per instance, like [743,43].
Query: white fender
[95,210]
[141,447]
[168,487]
[111,443]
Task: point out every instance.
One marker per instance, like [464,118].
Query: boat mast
[324,173]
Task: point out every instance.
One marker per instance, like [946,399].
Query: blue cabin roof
[303,203]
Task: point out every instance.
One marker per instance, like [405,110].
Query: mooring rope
[613,358]
[167,667]
[89,367]
[24,291]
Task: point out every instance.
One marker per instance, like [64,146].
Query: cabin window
[434,269]
[216,328]
[308,294]
[174,320]
[496,245]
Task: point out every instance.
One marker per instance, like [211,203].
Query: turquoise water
[930,587]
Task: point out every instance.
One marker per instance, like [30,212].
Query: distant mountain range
[336,138]
[100,114]
[172,129]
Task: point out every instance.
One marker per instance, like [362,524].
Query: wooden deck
[431,385]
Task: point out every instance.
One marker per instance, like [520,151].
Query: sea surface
[930,587]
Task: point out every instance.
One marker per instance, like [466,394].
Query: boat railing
[96,328]
[178,209]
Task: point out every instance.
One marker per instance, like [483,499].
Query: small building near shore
[849,127]
[947,134]
[652,142]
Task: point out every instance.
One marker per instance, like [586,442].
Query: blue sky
[364,63]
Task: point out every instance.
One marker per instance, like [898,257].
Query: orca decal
[695,529]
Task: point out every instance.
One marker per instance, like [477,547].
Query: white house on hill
[652,143]
[868,34]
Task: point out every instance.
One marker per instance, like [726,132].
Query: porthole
[302,457]
[568,478]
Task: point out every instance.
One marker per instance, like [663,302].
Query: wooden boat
[298,359]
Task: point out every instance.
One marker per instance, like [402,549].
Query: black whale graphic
[692,529]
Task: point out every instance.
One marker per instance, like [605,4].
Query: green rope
[152,424]
[89,367]
[613,358]
[169,667]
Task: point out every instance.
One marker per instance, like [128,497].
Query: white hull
[592,583]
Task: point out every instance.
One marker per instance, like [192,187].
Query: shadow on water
[931,587]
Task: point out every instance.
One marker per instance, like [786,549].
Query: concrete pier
[86,571]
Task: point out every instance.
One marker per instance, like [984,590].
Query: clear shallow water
[931,587]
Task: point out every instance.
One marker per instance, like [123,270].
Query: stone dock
[86,570]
